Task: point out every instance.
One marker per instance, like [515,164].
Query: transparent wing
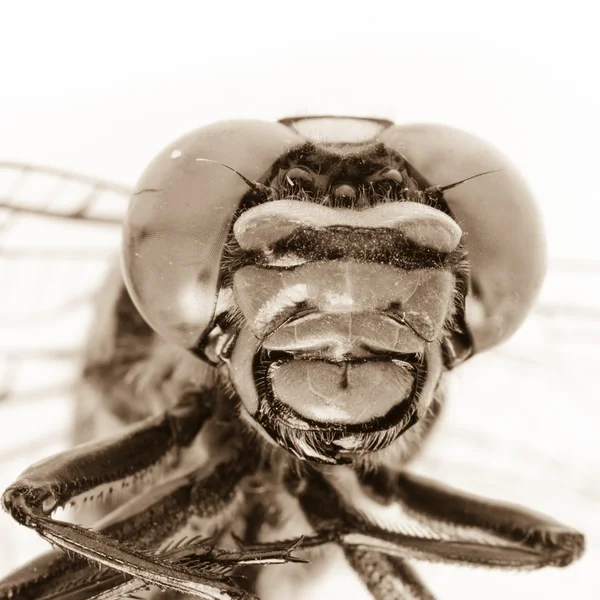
[59,231]
[520,422]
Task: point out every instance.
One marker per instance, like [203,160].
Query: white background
[100,87]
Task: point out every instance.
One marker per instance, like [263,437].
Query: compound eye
[299,177]
[179,220]
[504,238]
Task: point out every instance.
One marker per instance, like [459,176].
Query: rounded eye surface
[504,237]
[180,215]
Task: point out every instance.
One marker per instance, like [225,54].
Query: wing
[58,233]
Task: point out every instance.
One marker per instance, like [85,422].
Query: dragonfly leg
[475,543]
[86,469]
[96,468]
[554,543]
[132,541]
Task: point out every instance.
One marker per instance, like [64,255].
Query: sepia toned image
[298,302]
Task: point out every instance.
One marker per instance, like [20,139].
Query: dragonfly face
[342,287]
[336,283]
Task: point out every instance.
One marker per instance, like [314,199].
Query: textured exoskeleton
[294,295]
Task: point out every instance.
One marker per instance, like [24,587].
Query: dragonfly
[59,238]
